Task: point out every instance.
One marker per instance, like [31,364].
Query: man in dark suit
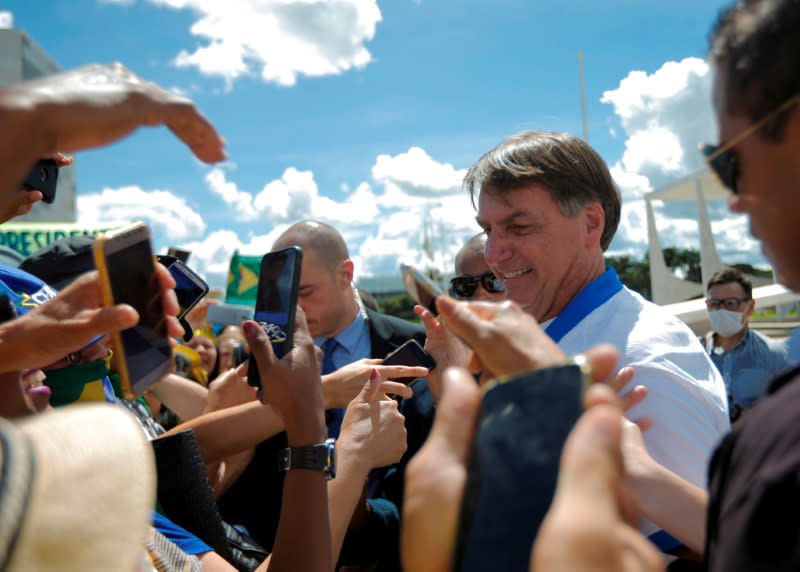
[346,332]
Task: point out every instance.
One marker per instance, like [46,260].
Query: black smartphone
[422,289]
[179,253]
[411,353]
[189,287]
[276,302]
[513,466]
[126,265]
[43,177]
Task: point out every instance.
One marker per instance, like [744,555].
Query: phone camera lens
[43,175]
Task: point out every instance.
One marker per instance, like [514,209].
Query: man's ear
[595,218]
[750,308]
[345,273]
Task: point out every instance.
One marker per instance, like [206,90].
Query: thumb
[454,425]
[460,319]
[113,319]
[372,388]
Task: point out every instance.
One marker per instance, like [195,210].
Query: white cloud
[278,40]
[295,196]
[665,115]
[416,174]
[6,20]
[165,212]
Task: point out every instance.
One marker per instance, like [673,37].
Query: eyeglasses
[464,286]
[724,162]
[731,304]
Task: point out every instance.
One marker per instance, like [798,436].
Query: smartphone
[126,265]
[513,466]
[410,353]
[228,314]
[189,287]
[43,177]
[422,289]
[179,253]
[276,302]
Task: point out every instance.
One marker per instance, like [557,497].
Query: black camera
[43,177]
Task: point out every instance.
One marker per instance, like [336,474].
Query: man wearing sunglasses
[746,359]
[473,279]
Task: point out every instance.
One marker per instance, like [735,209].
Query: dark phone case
[280,349]
[410,354]
[513,467]
[168,260]
[43,177]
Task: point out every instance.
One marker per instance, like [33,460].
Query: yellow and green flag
[243,279]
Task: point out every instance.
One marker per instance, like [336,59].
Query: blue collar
[593,295]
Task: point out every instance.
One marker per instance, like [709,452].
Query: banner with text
[27,238]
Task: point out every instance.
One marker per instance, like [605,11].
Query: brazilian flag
[243,279]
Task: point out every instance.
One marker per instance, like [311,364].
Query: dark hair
[756,43]
[729,276]
[571,170]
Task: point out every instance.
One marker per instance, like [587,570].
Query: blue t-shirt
[184,539]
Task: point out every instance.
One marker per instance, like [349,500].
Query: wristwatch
[320,457]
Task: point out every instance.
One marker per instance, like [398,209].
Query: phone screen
[131,273]
[276,301]
[189,288]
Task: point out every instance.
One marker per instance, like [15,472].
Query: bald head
[473,249]
[323,239]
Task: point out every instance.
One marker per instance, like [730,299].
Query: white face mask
[725,322]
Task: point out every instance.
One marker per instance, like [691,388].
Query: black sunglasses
[721,158]
[464,286]
[731,303]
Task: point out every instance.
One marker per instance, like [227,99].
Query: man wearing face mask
[746,359]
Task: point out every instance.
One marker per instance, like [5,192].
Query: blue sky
[365,113]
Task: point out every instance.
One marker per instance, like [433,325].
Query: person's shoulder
[395,324]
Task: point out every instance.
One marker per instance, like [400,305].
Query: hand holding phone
[276,302]
[126,266]
[422,289]
[190,288]
[411,354]
[43,177]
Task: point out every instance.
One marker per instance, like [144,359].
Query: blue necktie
[333,417]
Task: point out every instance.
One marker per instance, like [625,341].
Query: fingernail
[249,328]
[373,374]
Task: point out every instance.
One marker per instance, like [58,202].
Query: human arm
[373,435]
[672,503]
[340,387]
[91,106]
[185,397]
[67,322]
[293,388]
[445,348]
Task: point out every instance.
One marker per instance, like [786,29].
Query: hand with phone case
[129,275]
[276,302]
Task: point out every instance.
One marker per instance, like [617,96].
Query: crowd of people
[686,455]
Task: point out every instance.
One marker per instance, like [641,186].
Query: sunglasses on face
[731,304]
[464,286]
[723,160]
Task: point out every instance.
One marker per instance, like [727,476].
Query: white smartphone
[124,259]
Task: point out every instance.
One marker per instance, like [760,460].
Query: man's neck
[350,314]
[728,342]
[572,286]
